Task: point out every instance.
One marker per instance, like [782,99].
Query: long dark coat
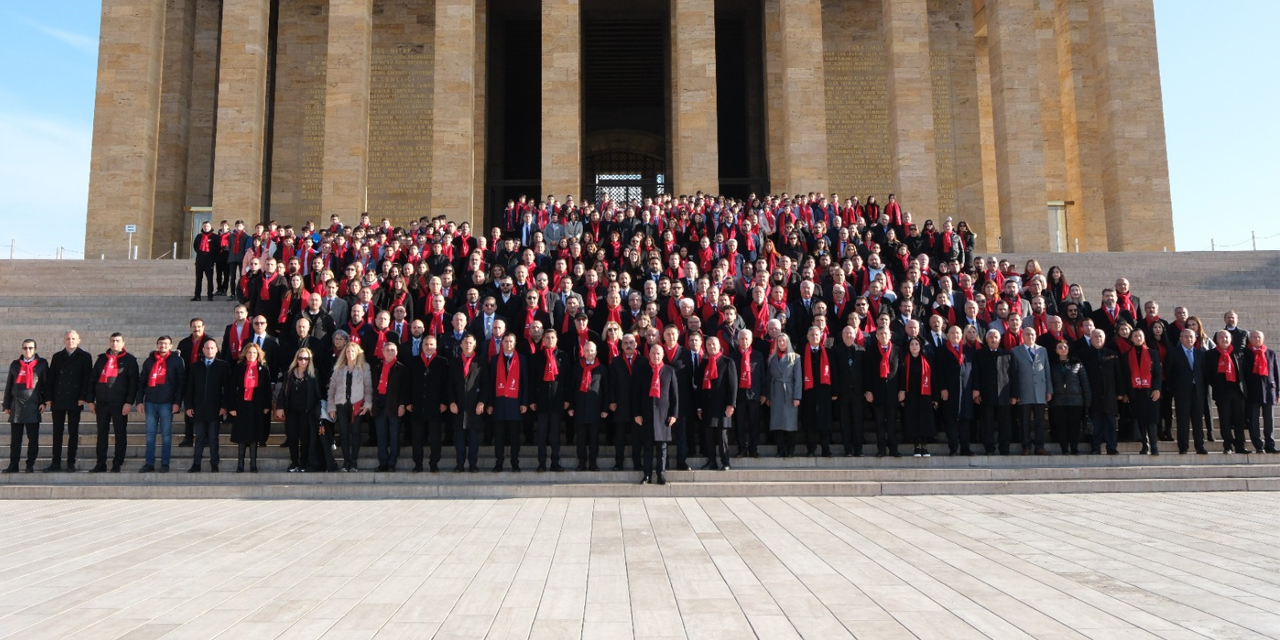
[956,379]
[1145,410]
[467,391]
[654,412]
[917,409]
[816,403]
[587,405]
[69,379]
[252,422]
[23,403]
[722,394]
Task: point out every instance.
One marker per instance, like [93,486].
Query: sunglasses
[28,348]
[304,359]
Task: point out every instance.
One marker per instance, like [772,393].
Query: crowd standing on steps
[692,322]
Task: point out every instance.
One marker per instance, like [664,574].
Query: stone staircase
[146,299]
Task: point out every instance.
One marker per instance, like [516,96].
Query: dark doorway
[513,156]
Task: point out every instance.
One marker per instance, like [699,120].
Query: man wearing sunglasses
[26,396]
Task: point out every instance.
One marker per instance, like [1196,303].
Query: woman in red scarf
[1140,383]
[916,397]
[250,404]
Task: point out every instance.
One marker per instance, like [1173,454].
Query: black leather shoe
[556,468]
[194,469]
[213,467]
[146,468]
[593,467]
[52,468]
[186,442]
[164,468]
[542,468]
[662,478]
[100,468]
[644,480]
[458,469]
[1202,452]
[9,470]
[497,468]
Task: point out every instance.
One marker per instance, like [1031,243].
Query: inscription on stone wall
[310,181]
[858,121]
[944,133]
[400,129]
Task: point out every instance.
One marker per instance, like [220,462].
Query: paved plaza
[1064,566]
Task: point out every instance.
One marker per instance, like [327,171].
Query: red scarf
[204,243]
[1140,371]
[884,361]
[288,301]
[426,359]
[196,343]
[27,373]
[509,380]
[466,364]
[1226,364]
[1011,339]
[437,324]
[1125,301]
[385,376]
[762,316]
[1041,323]
[159,370]
[957,351]
[112,367]
[824,374]
[613,348]
[712,373]
[238,339]
[528,320]
[585,386]
[926,375]
[250,379]
[744,375]
[382,340]
[1259,360]
[946,244]
[553,368]
[655,385]
[265,292]
[615,314]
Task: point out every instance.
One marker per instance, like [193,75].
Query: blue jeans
[159,414]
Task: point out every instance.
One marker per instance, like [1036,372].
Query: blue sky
[1218,68]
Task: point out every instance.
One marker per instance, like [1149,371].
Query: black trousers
[223,275]
[1034,426]
[850,412]
[1066,425]
[958,431]
[886,417]
[466,442]
[71,419]
[1189,414]
[206,435]
[298,428]
[32,429]
[622,426]
[546,433]
[680,435]
[111,418]
[348,427]
[432,431]
[1231,423]
[655,455]
[588,443]
[204,273]
[718,446]
[1261,430]
[746,422]
[785,443]
[995,427]
[321,454]
[506,435]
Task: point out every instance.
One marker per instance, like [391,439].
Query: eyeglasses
[259,323]
[28,348]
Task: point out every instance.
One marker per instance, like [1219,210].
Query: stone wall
[858,156]
[297,158]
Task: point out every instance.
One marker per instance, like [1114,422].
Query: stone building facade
[1039,122]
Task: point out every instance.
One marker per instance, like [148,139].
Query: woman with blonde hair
[250,404]
[298,405]
[350,397]
[783,396]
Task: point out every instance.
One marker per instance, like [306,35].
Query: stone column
[175,128]
[1016,116]
[346,109]
[912,144]
[803,93]
[775,120]
[242,108]
[1082,144]
[453,150]
[986,226]
[561,98]
[1135,162]
[122,176]
[695,142]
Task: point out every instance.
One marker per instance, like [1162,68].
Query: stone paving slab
[1169,565]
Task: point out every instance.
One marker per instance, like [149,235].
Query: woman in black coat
[250,404]
[916,397]
[1141,384]
[466,376]
[298,405]
[1070,397]
[719,392]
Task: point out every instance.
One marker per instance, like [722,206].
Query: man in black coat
[205,246]
[1185,380]
[655,409]
[682,364]
[1225,377]
[953,384]
[881,385]
[390,397]
[429,372]
[548,377]
[585,390]
[752,381]
[847,368]
[69,381]
[717,395]
[115,376]
[189,348]
[26,396]
[1102,365]
[992,395]
[208,385]
[1261,385]
[619,401]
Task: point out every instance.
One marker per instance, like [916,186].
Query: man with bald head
[1032,390]
[69,382]
[1261,384]
[1184,372]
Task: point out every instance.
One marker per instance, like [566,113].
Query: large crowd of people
[706,323]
